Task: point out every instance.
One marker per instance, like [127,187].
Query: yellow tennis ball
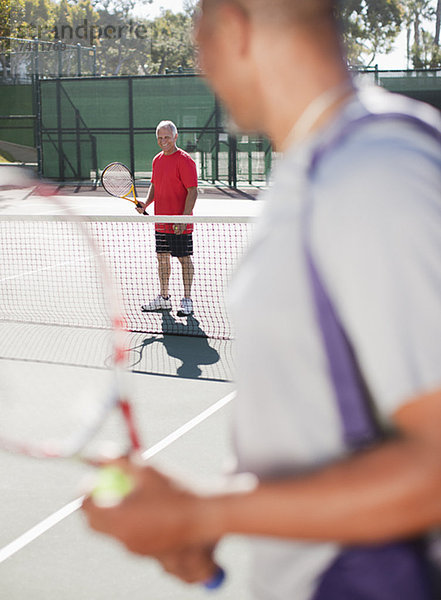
[111,486]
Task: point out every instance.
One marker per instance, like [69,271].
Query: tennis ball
[111,486]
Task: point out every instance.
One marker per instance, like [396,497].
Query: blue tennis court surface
[182,397]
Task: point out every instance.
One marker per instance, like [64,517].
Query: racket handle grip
[216,580]
[139,205]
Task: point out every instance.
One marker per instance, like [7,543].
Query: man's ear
[236,26]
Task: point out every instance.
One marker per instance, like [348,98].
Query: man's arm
[388,492]
[150,198]
[391,491]
[190,201]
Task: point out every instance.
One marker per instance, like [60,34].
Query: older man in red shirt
[174,192]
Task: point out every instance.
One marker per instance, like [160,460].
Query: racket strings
[117,180]
[58,377]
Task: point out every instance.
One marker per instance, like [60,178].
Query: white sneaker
[159,303]
[186,307]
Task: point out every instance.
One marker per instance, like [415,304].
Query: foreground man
[338,410]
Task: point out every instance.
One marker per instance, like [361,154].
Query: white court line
[35,532]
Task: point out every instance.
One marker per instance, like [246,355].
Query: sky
[395,60]
[154,10]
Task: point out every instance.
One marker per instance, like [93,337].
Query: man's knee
[185,260]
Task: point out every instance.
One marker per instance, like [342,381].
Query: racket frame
[116,397]
[132,190]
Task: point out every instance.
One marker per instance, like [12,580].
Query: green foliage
[369,28]
[171,43]
[126,45]
[423,48]
[12,18]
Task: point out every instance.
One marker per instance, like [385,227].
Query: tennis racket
[57,298]
[63,385]
[118,181]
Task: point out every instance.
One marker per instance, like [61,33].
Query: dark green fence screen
[17,115]
[81,124]
[87,123]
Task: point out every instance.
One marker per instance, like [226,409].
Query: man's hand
[179,228]
[141,207]
[158,518]
[192,565]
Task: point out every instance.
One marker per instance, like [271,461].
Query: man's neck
[298,117]
[175,149]
[321,110]
[289,88]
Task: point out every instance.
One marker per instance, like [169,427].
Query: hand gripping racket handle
[112,485]
[139,205]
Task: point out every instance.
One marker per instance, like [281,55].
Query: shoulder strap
[353,399]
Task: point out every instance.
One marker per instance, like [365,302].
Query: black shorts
[176,245]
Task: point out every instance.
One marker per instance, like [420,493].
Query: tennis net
[128,247]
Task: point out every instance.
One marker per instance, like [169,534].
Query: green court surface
[182,395]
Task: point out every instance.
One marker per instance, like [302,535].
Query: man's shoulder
[378,102]
[184,156]
[378,129]
[384,118]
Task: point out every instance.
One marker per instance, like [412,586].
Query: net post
[78,60]
[36,56]
[232,161]
[94,158]
[36,105]
[59,131]
[268,161]
[131,132]
[60,58]
[217,128]
[94,61]
[250,160]
[78,141]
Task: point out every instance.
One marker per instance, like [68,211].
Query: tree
[171,42]
[123,47]
[12,18]
[369,28]
[422,45]
[438,23]
[436,56]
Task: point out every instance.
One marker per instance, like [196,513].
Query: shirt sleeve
[188,172]
[377,241]
[153,168]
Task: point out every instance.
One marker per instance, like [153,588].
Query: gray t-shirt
[376,240]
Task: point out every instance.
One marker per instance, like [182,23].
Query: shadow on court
[188,356]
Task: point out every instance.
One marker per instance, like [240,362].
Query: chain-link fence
[21,60]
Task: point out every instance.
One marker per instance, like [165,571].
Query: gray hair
[170,125]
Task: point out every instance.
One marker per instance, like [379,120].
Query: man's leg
[164,272]
[187,274]
[187,278]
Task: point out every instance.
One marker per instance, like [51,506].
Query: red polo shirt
[172,175]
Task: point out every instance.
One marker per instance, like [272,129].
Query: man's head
[255,53]
[282,13]
[167,135]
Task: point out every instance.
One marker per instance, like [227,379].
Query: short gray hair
[170,126]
